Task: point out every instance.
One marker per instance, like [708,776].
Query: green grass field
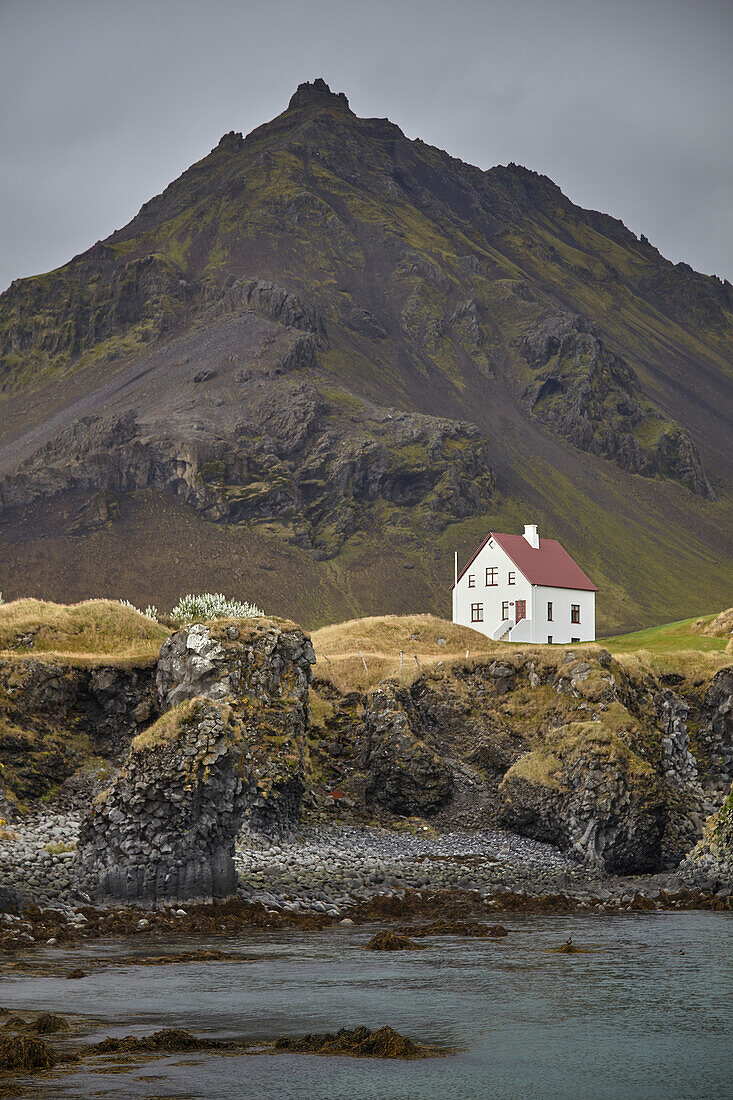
[669,638]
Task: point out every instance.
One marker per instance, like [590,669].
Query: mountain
[327,355]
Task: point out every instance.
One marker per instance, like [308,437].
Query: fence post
[402,660]
[363,661]
[418,663]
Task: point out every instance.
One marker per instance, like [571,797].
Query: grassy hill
[705,635]
[343,650]
[95,630]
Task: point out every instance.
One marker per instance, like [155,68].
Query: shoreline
[323,875]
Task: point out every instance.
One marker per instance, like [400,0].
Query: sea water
[646,1011]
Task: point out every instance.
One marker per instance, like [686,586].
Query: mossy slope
[380,270]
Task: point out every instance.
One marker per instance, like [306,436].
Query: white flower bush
[150,612]
[212,605]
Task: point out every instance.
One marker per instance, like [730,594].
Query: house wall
[537,628]
[491,597]
[561,629]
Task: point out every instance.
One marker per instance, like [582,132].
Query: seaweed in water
[24,1053]
[359,1042]
[47,1023]
[391,941]
[457,928]
[169,1040]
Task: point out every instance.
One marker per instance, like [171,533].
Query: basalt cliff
[327,355]
[614,763]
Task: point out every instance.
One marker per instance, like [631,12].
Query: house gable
[549,565]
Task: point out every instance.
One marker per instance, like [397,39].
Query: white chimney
[530,533]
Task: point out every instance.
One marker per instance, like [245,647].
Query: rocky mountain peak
[231,142]
[317,92]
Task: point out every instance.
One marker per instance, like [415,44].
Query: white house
[521,588]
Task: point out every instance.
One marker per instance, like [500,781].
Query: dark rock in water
[50,1022]
[231,749]
[15,1023]
[75,974]
[567,948]
[390,941]
[21,1054]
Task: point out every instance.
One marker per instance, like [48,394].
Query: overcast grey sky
[628,106]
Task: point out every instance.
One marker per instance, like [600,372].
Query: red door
[520,608]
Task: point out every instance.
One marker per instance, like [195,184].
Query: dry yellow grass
[539,768]
[339,649]
[165,729]
[720,627]
[91,631]
[693,665]
[380,638]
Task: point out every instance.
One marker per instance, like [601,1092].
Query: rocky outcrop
[678,763]
[588,794]
[710,863]
[227,751]
[272,301]
[591,396]
[716,730]
[286,461]
[721,626]
[685,795]
[403,773]
[564,746]
[55,718]
[166,827]
[57,317]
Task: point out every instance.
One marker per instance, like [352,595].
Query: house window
[512,578]
[574,612]
[471,580]
[491,574]
[549,639]
[505,609]
[575,639]
[477,612]
[549,612]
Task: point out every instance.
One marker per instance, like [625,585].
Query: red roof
[550,565]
